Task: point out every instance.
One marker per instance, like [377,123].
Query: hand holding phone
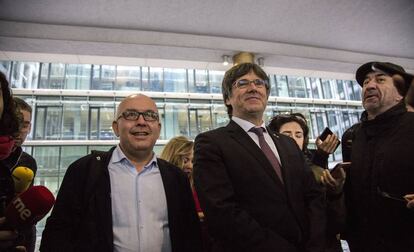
[328,144]
[334,179]
[336,172]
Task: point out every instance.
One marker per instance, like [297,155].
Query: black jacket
[382,159]
[82,219]
[246,206]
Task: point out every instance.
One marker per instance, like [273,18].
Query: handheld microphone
[22,177]
[29,207]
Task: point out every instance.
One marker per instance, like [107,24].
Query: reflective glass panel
[128,78]
[175,80]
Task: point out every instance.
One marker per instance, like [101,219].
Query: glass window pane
[357,90]
[200,121]
[273,85]
[191,81]
[326,88]
[175,80]
[103,77]
[220,117]
[201,81]
[25,75]
[297,87]
[69,155]
[78,76]
[340,94]
[47,158]
[5,67]
[215,79]
[57,76]
[282,86]
[128,78]
[176,120]
[75,119]
[316,88]
[156,79]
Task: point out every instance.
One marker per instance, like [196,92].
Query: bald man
[125,199]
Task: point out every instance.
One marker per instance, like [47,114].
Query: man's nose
[140,119]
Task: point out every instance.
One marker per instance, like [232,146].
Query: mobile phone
[325,133]
[335,172]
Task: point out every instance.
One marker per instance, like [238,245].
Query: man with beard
[379,185]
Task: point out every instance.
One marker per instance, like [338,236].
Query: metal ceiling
[315,35]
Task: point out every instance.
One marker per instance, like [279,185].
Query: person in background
[379,185]
[21,159]
[125,199]
[256,190]
[180,152]
[9,128]
[295,126]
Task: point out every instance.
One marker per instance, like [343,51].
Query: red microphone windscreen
[29,207]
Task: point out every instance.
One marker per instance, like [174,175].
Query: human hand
[327,146]
[334,181]
[410,199]
[7,237]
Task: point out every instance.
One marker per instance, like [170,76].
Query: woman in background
[179,151]
[9,128]
[9,122]
[295,126]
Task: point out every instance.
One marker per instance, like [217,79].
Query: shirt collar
[246,125]
[118,156]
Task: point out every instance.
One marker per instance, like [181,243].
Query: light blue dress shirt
[246,126]
[139,206]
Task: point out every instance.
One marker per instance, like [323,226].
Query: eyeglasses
[390,196]
[132,115]
[243,83]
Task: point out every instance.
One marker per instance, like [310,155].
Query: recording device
[29,207]
[22,177]
[336,173]
[325,133]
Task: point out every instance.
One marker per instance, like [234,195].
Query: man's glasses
[132,115]
[244,83]
[390,196]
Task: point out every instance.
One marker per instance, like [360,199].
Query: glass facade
[74,105]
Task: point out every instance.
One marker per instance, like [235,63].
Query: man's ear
[227,101]
[115,128]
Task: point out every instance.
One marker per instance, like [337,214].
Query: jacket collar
[239,135]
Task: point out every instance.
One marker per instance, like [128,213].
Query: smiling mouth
[140,134]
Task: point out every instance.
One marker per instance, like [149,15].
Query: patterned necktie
[268,151]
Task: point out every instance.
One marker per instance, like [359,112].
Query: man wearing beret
[380,182]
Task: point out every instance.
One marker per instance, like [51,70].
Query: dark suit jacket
[81,219]
[246,206]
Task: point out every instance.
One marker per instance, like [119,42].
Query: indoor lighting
[225,60]
[260,61]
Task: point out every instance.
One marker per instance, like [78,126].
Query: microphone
[29,207]
[22,177]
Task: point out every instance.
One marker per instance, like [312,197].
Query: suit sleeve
[227,221]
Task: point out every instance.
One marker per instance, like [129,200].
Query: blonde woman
[179,152]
